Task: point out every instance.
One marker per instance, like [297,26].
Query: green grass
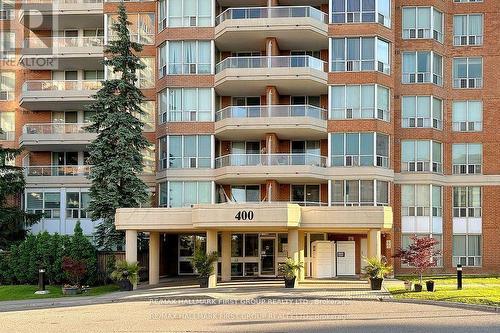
[475,290]
[19,292]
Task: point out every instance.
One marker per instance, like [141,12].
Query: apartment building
[323,130]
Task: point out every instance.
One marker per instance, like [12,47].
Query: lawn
[475,290]
[18,292]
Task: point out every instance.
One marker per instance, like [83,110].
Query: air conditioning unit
[192,21]
[350,66]
[413,33]
[420,77]
[463,40]
[192,162]
[192,68]
[411,122]
[412,78]
[420,33]
[348,113]
[420,166]
[348,161]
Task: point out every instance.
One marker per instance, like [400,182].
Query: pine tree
[13,220]
[115,155]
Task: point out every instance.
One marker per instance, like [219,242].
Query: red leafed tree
[75,269]
[420,253]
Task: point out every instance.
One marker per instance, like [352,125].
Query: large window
[46,203]
[6,10]
[77,204]
[184,13]
[145,76]
[7,45]
[185,151]
[421,112]
[468,29]
[421,156]
[467,201]
[421,200]
[142,27]
[468,72]
[422,67]
[185,57]
[467,250]
[360,101]
[360,54]
[245,193]
[306,195]
[8,126]
[366,11]
[185,193]
[467,116]
[185,104]
[422,23]
[7,85]
[359,193]
[148,118]
[467,158]
[360,149]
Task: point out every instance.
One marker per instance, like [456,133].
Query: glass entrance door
[267,256]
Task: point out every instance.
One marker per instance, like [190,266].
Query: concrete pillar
[226,256]
[131,246]
[301,247]
[272,48]
[212,247]
[272,96]
[154,257]
[293,248]
[374,243]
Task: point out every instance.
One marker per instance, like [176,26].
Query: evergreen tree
[115,155]
[13,220]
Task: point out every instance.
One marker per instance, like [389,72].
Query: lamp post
[459,276]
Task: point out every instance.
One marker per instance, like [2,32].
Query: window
[186,57]
[421,156]
[421,112]
[8,126]
[422,23]
[360,101]
[360,54]
[7,84]
[148,160]
[184,13]
[186,246]
[245,193]
[421,200]
[7,45]
[145,76]
[185,151]
[467,201]
[467,158]
[6,10]
[357,149]
[142,27]
[306,195]
[77,204]
[185,104]
[465,1]
[148,118]
[422,67]
[366,11]
[468,72]
[467,116]
[467,250]
[468,29]
[406,241]
[360,193]
[46,203]
[185,193]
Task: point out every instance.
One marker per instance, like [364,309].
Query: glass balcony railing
[271,12]
[54,128]
[296,61]
[57,170]
[61,85]
[270,160]
[63,42]
[265,111]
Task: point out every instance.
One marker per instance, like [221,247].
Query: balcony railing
[265,111]
[62,42]
[61,85]
[298,61]
[270,160]
[422,166]
[57,170]
[54,128]
[61,1]
[271,12]
[421,122]
[7,135]
[467,126]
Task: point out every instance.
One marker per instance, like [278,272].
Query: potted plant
[376,269]
[74,270]
[418,287]
[204,265]
[408,284]
[429,284]
[289,270]
[126,274]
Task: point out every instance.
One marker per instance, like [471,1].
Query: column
[212,247]
[226,255]
[154,257]
[301,244]
[293,248]
[131,246]
[374,243]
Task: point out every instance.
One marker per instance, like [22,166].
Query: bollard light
[459,276]
[41,282]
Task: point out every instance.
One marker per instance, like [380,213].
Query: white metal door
[346,259]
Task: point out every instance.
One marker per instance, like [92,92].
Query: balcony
[67,52]
[61,14]
[55,137]
[57,95]
[296,28]
[287,121]
[47,175]
[291,75]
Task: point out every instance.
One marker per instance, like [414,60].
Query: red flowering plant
[75,270]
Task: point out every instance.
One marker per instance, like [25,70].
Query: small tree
[74,269]
[419,254]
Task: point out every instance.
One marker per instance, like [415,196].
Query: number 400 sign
[244,215]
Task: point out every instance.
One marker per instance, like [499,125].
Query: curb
[457,305]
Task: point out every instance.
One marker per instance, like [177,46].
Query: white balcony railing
[467,126]
[265,111]
[270,160]
[63,42]
[58,2]
[298,61]
[271,12]
[54,128]
[57,170]
[61,85]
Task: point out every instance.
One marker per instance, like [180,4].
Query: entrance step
[350,281]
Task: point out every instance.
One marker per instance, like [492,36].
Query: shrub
[125,271]
[203,263]
[75,270]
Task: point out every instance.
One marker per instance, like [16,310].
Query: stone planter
[71,291]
